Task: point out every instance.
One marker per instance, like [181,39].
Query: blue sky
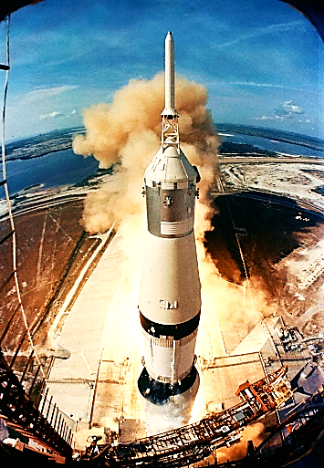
[261,61]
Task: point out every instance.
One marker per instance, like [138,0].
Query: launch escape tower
[170,297]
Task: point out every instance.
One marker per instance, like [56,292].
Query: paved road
[267,160]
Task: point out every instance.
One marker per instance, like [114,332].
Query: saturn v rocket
[170,296]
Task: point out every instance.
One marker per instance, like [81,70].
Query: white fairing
[169,166]
[170,276]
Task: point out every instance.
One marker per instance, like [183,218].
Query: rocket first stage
[170,296]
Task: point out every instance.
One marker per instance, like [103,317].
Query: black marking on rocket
[159,393]
[177,331]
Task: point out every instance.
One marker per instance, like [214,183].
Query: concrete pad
[83,331]
[221,377]
[77,395]
[104,335]
[254,341]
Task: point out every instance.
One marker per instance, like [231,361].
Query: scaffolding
[196,441]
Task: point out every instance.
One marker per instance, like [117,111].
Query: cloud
[286,111]
[52,115]
[45,93]
[257,32]
[56,114]
[248,83]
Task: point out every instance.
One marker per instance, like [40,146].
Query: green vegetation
[243,149]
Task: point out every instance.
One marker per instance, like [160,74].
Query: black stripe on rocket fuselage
[177,331]
[169,206]
[159,393]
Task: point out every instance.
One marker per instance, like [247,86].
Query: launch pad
[103,398]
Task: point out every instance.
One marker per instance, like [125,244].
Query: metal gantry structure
[297,433]
[194,442]
[44,424]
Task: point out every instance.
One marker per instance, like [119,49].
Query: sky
[261,61]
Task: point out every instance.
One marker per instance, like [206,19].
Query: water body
[273,145]
[52,170]
[46,160]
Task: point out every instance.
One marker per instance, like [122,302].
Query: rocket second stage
[170,297]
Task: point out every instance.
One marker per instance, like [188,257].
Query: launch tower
[170,297]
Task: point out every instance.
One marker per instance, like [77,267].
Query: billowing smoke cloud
[167,417]
[127,134]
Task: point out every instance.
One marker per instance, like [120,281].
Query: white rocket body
[170,296]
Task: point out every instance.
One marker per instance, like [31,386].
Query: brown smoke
[253,432]
[127,133]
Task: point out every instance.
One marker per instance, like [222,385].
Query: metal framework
[196,441]
[299,429]
[170,132]
[10,6]
[17,406]
[297,434]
